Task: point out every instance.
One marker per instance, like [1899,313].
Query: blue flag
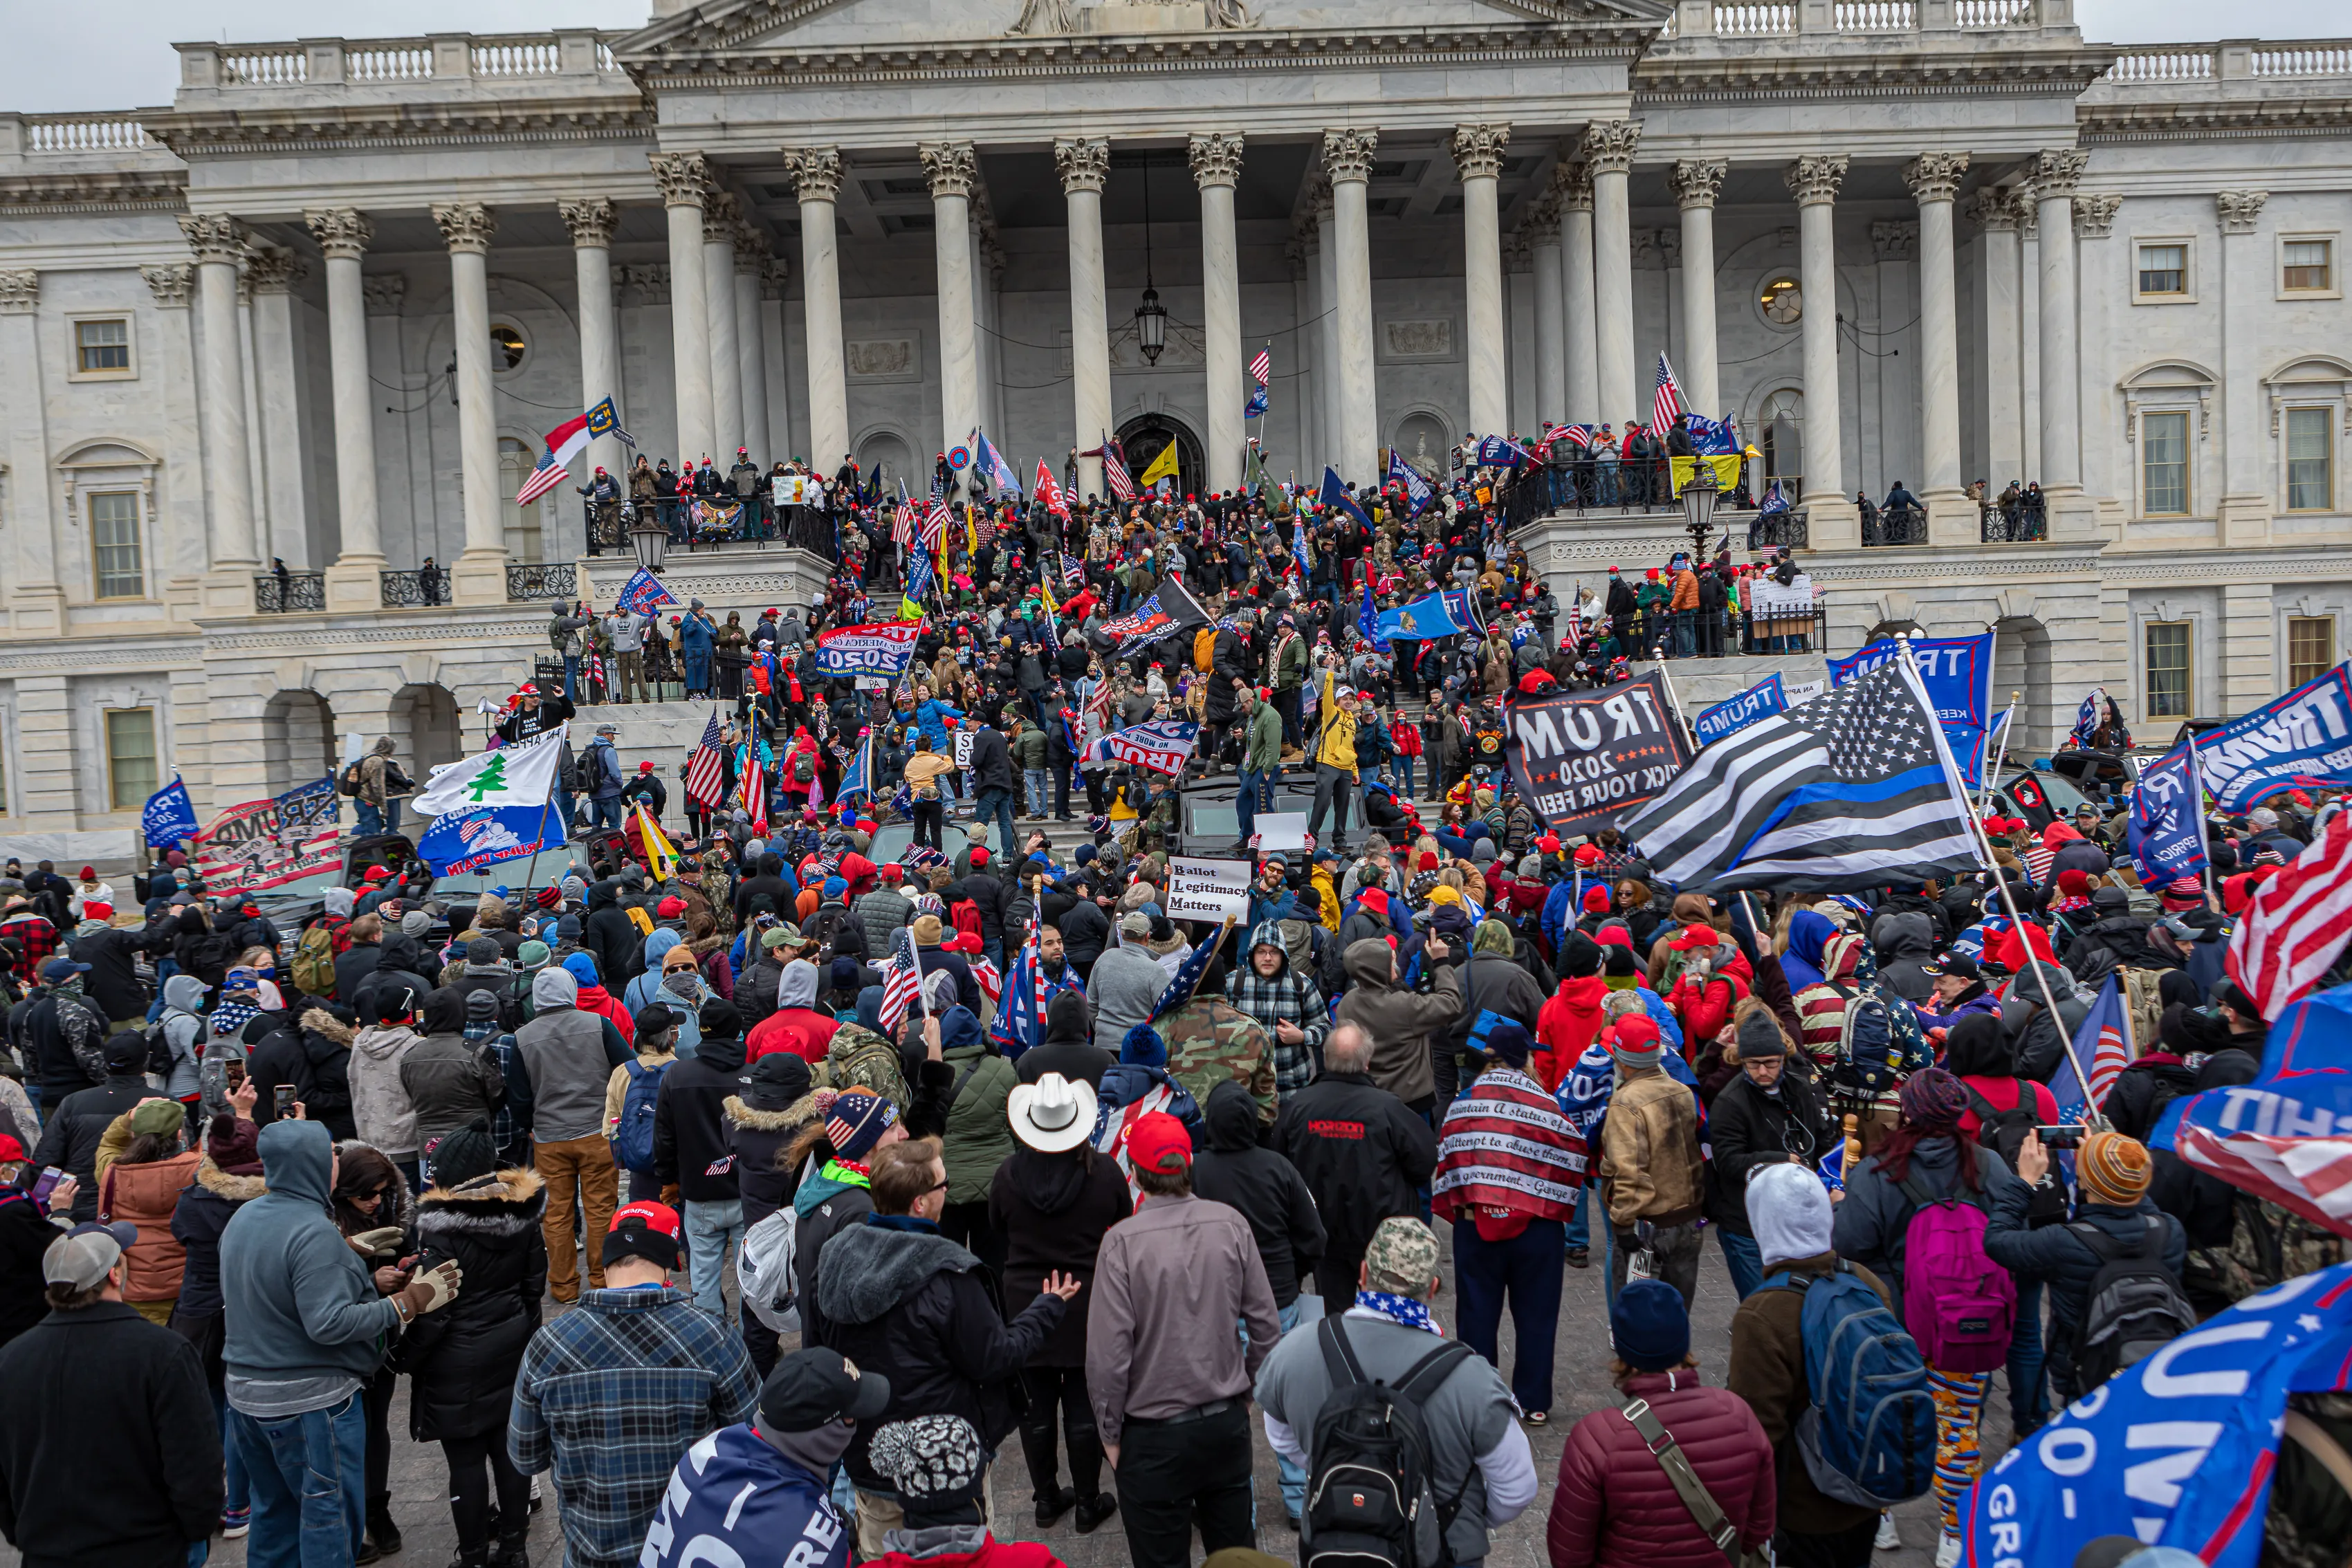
[1774,501]
[1020,1022]
[988,462]
[1502,452]
[168,817]
[2299,741]
[1368,619]
[1431,616]
[2175,1450]
[1256,405]
[854,776]
[1335,494]
[1710,437]
[604,420]
[1734,714]
[2162,832]
[1417,492]
[1958,675]
[1298,547]
[643,592]
[459,843]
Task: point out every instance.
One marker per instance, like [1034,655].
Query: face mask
[817,1450]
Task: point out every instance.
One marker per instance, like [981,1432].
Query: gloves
[368,1243]
[433,1289]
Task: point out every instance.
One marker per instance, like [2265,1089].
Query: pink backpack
[1960,1305]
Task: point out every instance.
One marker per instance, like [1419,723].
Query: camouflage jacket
[1209,1040]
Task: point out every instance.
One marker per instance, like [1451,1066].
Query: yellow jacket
[1335,734]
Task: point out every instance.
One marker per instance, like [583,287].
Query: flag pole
[1992,772]
[1981,847]
[2197,804]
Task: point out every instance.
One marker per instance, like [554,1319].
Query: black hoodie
[1055,1209]
[1266,1188]
[613,938]
[690,1145]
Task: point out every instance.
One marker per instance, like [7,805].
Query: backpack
[802,769]
[1961,1306]
[632,1135]
[1369,1497]
[347,782]
[2004,1132]
[764,1267]
[2133,1305]
[1868,1438]
[860,1058]
[314,962]
[1868,1057]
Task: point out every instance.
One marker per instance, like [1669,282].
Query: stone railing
[2172,65]
[1787,18]
[373,62]
[109,131]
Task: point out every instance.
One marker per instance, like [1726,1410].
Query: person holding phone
[34,1203]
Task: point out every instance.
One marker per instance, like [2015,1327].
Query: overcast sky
[116,54]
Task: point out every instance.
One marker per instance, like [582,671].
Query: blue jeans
[239,1495]
[1039,783]
[1294,1477]
[308,1473]
[1525,1269]
[570,677]
[371,820]
[1250,792]
[713,1230]
[2029,1394]
[1744,1259]
[1404,777]
[606,813]
[1580,1230]
[996,806]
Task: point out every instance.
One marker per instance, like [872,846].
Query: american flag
[935,523]
[1261,367]
[755,782]
[2103,1038]
[902,522]
[705,773]
[1115,477]
[987,976]
[1666,402]
[543,478]
[1074,569]
[1577,434]
[2297,923]
[901,982]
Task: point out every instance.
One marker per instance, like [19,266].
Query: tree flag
[512,775]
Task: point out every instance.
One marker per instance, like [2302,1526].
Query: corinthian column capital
[343,233]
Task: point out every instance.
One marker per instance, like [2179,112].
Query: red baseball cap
[13,1152]
[376,874]
[1159,1142]
[648,1230]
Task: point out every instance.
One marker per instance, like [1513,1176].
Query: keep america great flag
[1853,790]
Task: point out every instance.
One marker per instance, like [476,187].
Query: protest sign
[1771,600]
[1207,890]
[1279,833]
[880,648]
[963,741]
[1583,759]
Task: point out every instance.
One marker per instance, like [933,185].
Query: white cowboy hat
[1053,1114]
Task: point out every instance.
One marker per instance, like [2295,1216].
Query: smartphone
[50,1177]
[2066,1137]
[281,1100]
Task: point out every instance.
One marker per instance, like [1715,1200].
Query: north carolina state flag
[1051,493]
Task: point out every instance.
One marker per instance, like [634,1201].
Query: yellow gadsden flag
[1162,466]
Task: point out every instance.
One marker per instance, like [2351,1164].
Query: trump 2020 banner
[2161,832]
[265,844]
[1958,674]
[1583,760]
[1734,714]
[880,648]
[2301,740]
[1161,745]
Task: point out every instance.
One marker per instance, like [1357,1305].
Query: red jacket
[1614,1507]
[1706,1008]
[597,999]
[1568,1023]
[803,1031]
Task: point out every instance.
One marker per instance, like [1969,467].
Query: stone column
[35,603]
[1347,158]
[1573,185]
[816,177]
[1813,180]
[1696,182]
[1542,234]
[1478,159]
[590,220]
[776,353]
[719,220]
[1999,215]
[2247,465]
[2094,217]
[219,244]
[1609,155]
[2055,173]
[270,275]
[1327,332]
[343,233]
[685,180]
[751,343]
[1935,180]
[1216,164]
[481,574]
[1305,254]
[1084,163]
[952,170]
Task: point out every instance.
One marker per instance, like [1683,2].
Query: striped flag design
[1666,402]
[1506,1146]
[1853,790]
[706,771]
[901,982]
[1115,477]
[935,523]
[1261,367]
[2297,923]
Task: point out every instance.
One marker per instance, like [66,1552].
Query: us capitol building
[324,306]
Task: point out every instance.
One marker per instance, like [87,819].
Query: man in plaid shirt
[1288,1005]
[613,1393]
[511,1123]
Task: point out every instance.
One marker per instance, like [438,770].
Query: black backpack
[2004,1132]
[1369,1497]
[2134,1308]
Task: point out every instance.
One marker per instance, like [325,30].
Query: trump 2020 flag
[645,592]
[854,776]
[1417,491]
[1020,1021]
[2162,832]
[168,817]
[510,775]
[1367,619]
[1734,714]
[2301,740]
[1160,745]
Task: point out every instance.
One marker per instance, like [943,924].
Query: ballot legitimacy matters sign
[1583,759]
[1207,890]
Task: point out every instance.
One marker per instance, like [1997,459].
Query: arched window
[1780,437]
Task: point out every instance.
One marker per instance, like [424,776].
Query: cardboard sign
[1208,890]
[963,741]
[1279,832]
[791,490]
[1584,759]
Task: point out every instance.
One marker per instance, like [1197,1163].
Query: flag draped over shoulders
[1504,1145]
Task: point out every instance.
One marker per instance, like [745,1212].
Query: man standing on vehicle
[600,769]
[1334,751]
[1260,759]
[381,783]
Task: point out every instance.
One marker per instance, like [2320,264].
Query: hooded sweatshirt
[1262,1185]
[569,1060]
[645,989]
[795,1026]
[690,1146]
[305,1324]
[380,1108]
[185,1034]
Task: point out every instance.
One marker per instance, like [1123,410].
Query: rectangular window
[2164,269]
[114,544]
[2310,467]
[100,347]
[131,772]
[2164,463]
[2310,648]
[2167,669]
[2309,266]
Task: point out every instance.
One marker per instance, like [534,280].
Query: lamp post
[1150,317]
[1698,498]
[650,540]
